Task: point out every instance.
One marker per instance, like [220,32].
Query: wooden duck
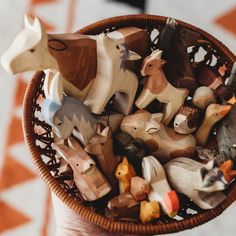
[158,87]
[124,173]
[161,192]
[227,169]
[200,182]
[149,211]
[89,180]
[214,113]
[187,120]
[160,140]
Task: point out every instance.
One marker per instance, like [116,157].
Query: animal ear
[152,127]
[133,56]
[63,150]
[29,21]
[203,172]
[125,161]
[157,117]
[47,82]
[56,89]
[106,132]
[37,27]
[156,54]
[74,144]
[163,62]
[99,129]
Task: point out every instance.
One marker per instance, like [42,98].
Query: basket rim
[86,213]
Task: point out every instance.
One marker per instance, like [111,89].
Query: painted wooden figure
[200,182]
[227,169]
[213,114]
[149,211]
[203,97]
[160,191]
[187,120]
[158,87]
[65,113]
[89,180]
[124,172]
[139,188]
[160,140]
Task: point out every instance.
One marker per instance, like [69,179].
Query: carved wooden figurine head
[149,211]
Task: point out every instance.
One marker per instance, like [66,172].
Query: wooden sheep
[89,180]
[200,182]
[158,87]
[149,211]
[161,192]
[160,140]
[187,120]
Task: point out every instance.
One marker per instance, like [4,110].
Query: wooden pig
[139,188]
[160,140]
[65,113]
[124,173]
[101,145]
[187,120]
[149,211]
[154,172]
[214,113]
[89,180]
[203,97]
[200,182]
[226,137]
[227,169]
[157,87]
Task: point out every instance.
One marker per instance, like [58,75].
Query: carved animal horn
[74,144]
[125,161]
[37,27]
[56,89]
[106,132]
[28,20]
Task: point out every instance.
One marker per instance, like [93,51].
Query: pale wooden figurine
[101,145]
[203,97]
[227,169]
[158,87]
[187,120]
[65,113]
[89,180]
[160,140]
[83,61]
[200,182]
[124,173]
[213,114]
[149,211]
[161,192]
[139,188]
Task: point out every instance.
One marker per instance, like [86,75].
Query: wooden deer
[160,140]
[161,192]
[157,87]
[101,145]
[149,211]
[124,173]
[214,113]
[200,182]
[65,113]
[89,180]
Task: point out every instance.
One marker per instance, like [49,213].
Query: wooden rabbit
[161,192]
[101,145]
[160,140]
[227,169]
[65,113]
[124,173]
[214,113]
[149,211]
[89,180]
[157,87]
[200,182]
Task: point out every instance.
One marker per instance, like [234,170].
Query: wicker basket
[43,156]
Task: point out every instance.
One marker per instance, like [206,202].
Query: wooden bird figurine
[200,182]
[161,192]
[149,211]
[161,141]
[187,120]
[158,87]
[203,97]
[227,169]
[89,180]
[214,113]
[139,188]
[124,173]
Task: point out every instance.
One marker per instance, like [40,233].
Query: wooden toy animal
[213,114]
[154,172]
[187,120]
[200,182]
[160,140]
[139,188]
[203,97]
[226,137]
[124,173]
[157,87]
[227,170]
[149,211]
[79,58]
[89,180]
[65,113]
[101,145]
